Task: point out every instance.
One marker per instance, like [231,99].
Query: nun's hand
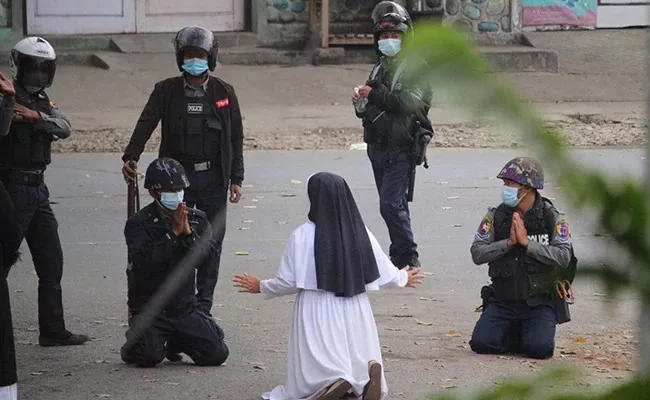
[415,277]
[247,283]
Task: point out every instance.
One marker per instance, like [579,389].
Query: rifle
[418,155]
[132,207]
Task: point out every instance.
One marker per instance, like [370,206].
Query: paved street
[424,331]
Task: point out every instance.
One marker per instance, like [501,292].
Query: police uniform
[521,313]
[10,238]
[202,129]
[395,109]
[154,252]
[24,156]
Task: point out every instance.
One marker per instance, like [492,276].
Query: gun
[132,195]
[132,207]
[486,293]
[418,155]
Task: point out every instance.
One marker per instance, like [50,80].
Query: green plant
[460,74]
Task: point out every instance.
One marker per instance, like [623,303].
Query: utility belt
[200,166]
[26,178]
[561,301]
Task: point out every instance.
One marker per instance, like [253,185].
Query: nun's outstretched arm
[271,288]
[284,283]
[389,275]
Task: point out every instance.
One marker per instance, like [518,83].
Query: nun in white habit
[331,262]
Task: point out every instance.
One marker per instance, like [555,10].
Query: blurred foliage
[460,74]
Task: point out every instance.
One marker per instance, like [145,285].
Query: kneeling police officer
[527,244]
[158,237]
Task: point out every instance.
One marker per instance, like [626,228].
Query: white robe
[331,337]
[9,392]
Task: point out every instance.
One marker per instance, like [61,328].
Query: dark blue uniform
[393,112]
[182,326]
[24,156]
[521,314]
[202,129]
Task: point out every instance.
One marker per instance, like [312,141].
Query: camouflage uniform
[521,316]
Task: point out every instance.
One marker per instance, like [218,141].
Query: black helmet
[196,37]
[165,174]
[385,8]
[388,16]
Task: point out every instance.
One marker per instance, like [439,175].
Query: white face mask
[172,200]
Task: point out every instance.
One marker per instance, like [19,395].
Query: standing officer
[202,129]
[9,245]
[396,127]
[527,245]
[158,237]
[24,156]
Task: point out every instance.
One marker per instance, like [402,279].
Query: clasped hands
[518,233]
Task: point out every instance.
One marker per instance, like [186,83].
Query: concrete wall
[283,23]
[286,20]
[480,15]
[5,13]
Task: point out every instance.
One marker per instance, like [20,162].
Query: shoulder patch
[562,232]
[485,227]
[53,105]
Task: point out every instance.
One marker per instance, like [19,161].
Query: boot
[372,390]
[335,391]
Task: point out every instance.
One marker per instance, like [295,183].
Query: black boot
[67,338]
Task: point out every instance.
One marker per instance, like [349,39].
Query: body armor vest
[26,147]
[197,134]
[515,276]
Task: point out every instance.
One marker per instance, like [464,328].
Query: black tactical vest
[25,147]
[197,134]
[514,276]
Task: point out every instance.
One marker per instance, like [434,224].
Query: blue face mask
[389,47]
[171,200]
[195,66]
[509,196]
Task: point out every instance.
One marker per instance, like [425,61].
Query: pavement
[423,331]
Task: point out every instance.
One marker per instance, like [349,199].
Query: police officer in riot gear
[202,129]
[24,156]
[158,237]
[394,111]
[527,244]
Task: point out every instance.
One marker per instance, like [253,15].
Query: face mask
[195,66]
[509,196]
[171,200]
[389,47]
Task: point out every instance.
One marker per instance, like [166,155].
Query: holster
[562,310]
[486,293]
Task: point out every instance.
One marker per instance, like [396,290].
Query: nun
[330,262]
[10,239]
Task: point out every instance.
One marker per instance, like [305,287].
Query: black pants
[391,171]
[7,348]
[209,194]
[195,334]
[40,228]
[515,327]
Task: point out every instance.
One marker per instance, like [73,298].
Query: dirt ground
[590,132]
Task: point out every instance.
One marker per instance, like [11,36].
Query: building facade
[284,22]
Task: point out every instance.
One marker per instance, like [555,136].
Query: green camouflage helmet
[524,171]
